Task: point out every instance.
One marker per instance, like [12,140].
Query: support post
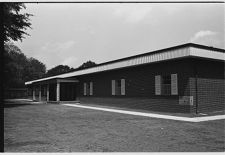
[58,91]
[39,93]
[33,89]
[47,92]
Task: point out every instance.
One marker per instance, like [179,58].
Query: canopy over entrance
[55,90]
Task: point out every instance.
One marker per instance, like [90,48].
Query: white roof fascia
[132,62]
[144,59]
[206,53]
[166,55]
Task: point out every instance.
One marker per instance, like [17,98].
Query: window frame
[117,87]
[88,91]
[166,84]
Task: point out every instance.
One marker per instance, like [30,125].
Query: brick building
[187,78]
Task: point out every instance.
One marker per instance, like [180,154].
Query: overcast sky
[73,33]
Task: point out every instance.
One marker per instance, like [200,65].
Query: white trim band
[177,118]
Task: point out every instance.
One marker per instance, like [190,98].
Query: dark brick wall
[140,86]
[160,104]
[210,86]
[140,81]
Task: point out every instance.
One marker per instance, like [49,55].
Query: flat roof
[180,51]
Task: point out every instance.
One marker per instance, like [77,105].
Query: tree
[14,62]
[60,69]
[87,64]
[34,69]
[15,23]
[19,69]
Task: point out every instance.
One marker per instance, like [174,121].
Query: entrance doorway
[52,92]
[68,91]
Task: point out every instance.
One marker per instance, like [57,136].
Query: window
[166,85]
[88,88]
[118,87]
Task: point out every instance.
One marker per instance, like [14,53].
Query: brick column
[34,93]
[40,93]
[58,91]
[47,92]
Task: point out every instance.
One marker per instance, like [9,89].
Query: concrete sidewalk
[21,101]
[178,118]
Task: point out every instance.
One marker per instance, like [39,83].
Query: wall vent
[186,100]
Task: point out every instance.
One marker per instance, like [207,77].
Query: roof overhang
[52,80]
[182,51]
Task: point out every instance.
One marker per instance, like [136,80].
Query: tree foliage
[34,69]
[87,64]
[60,69]
[18,68]
[15,23]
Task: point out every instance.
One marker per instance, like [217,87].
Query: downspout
[196,87]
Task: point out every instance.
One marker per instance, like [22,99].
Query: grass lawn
[59,128]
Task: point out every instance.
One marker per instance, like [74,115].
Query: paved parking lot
[58,128]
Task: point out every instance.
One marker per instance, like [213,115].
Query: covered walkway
[54,90]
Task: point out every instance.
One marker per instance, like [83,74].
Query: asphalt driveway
[58,128]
